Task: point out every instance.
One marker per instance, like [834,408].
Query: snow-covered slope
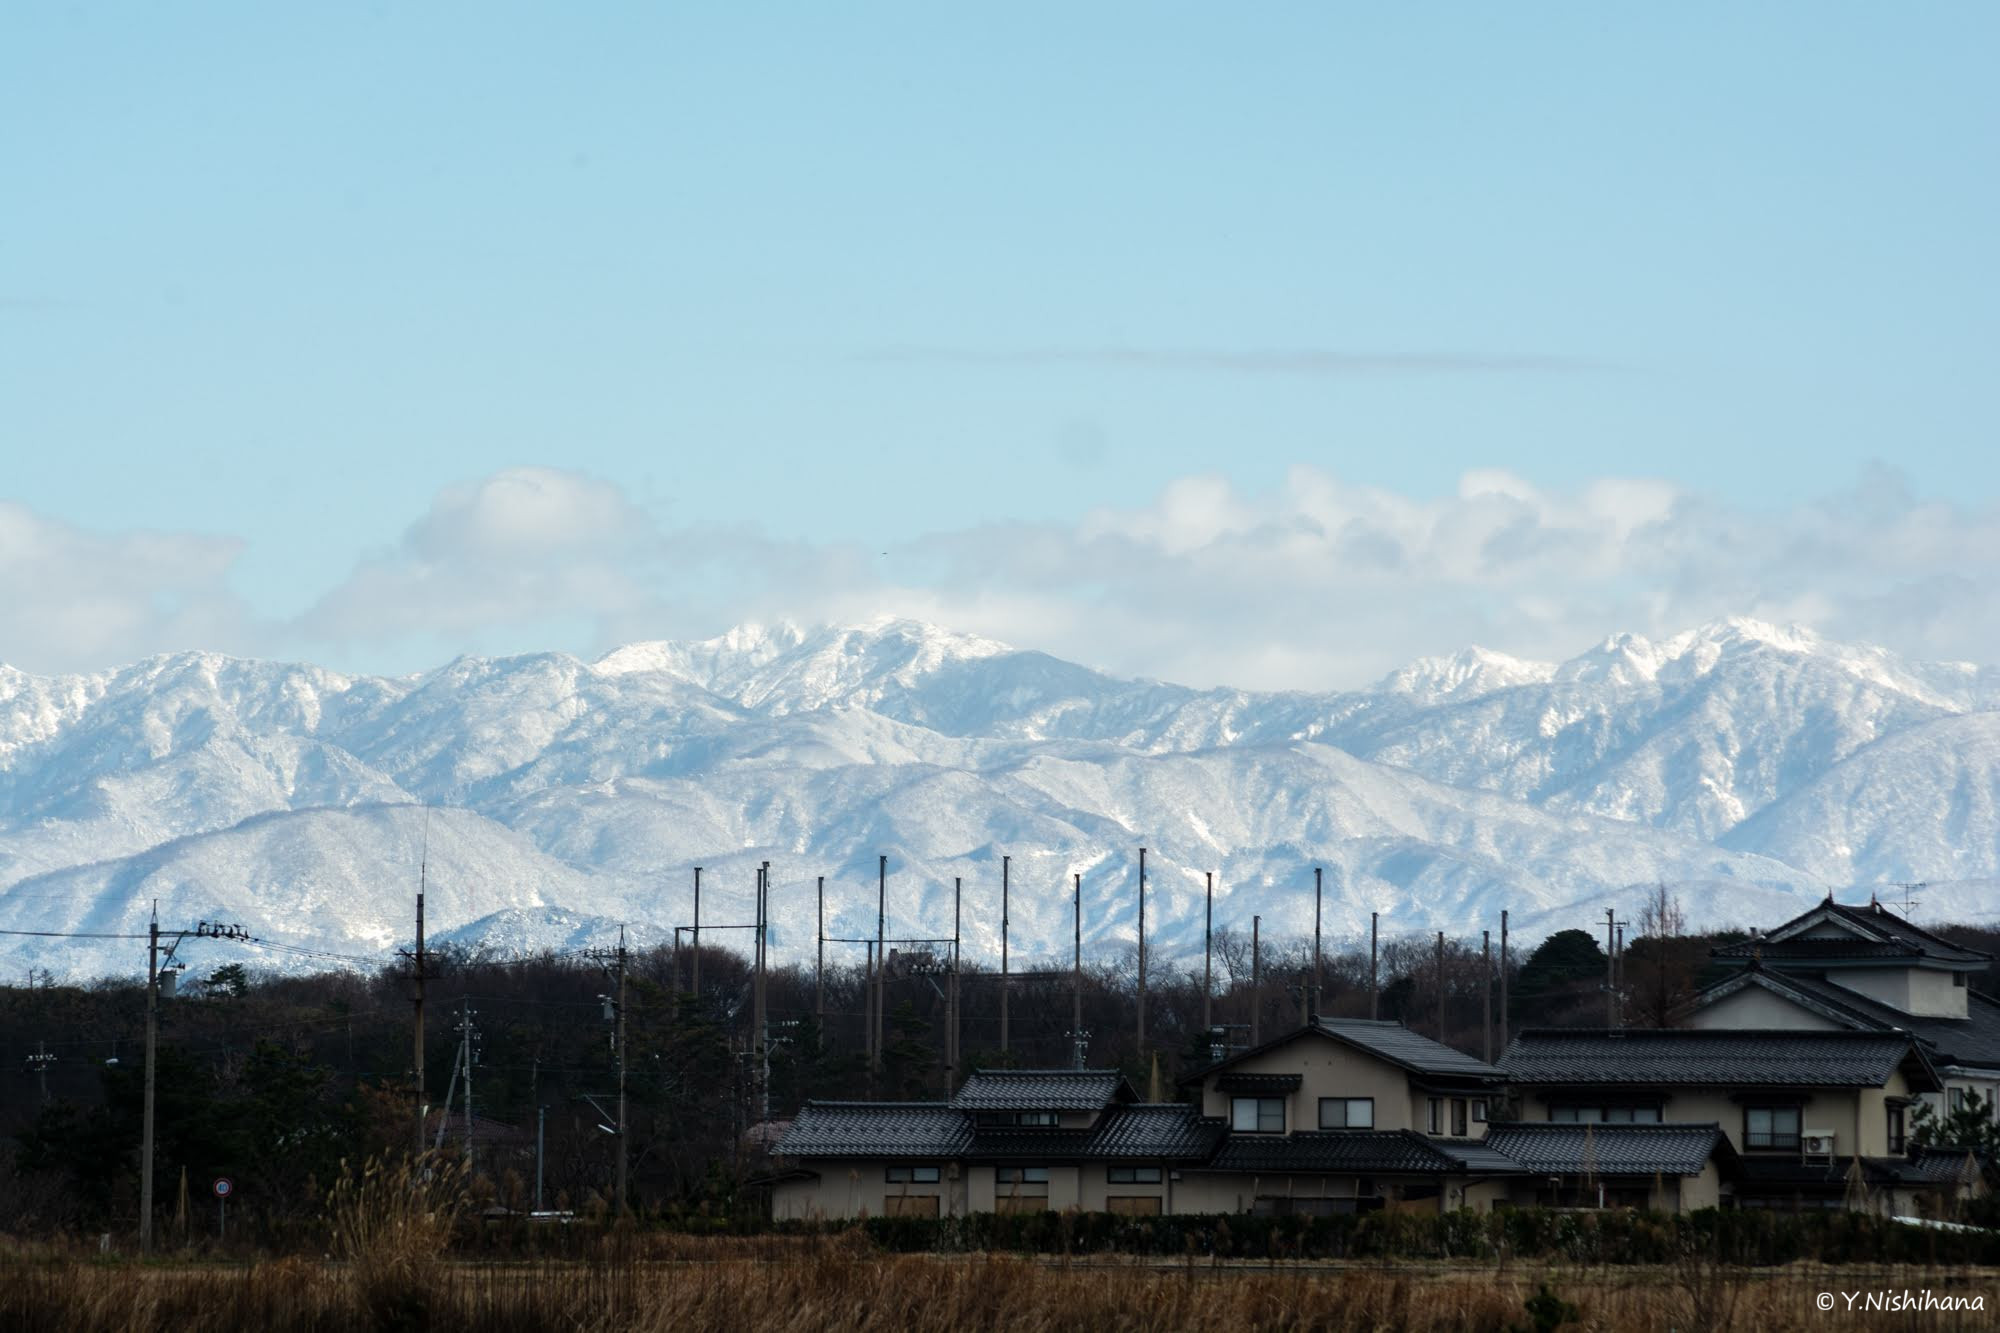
[1752,765]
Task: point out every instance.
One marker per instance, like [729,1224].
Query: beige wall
[1755,1007]
[1858,1119]
[1914,990]
[851,1189]
[1329,1068]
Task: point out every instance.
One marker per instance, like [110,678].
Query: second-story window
[1458,1127]
[1770,1127]
[1257,1115]
[1434,1115]
[1132,1175]
[1898,1138]
[1347,1113]
[912,1175]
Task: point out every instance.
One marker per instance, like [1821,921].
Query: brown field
[842,1283]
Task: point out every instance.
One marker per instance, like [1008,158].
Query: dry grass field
[841,1283]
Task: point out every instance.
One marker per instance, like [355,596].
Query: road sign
[223,1186]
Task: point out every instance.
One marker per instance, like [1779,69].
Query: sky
[1264,345]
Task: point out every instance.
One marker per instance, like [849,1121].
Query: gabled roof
[1871,932]
[1384,1039]
[1042,1090]
[1149,1131]
[1350,1152]
[1609,1150]
[1972,1040]
[876,1130]
[1697,1057]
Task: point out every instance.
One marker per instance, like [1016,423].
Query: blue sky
[847,286]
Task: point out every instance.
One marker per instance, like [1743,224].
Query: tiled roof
[1610,1150]
[1478,1156]
[1398,1045]
[1942,1166]
[1170,1130]
[1259,1083]
[1383,1038]
[876,1129]
[1972,1040]
[1344,1152]
[1695,1056]
[1880,933]
[1818,950]
[1041,1090]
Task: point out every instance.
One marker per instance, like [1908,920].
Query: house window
[1770,1127]
[1605,1115]
[1133,1205]
[1479,1112]
[1347,1113]
[912,1175]
[1434,1115]
[1898,1139]
[1458,1117]
[1027,1179]
[1029,1119]
[1132,1175]
[1958,980]
[1257,1115]
[913,1205]
[1955,1098]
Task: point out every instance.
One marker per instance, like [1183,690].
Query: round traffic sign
[223,1185]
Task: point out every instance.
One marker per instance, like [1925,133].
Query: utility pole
[1440,987]
[697,932]
[1076,981]
[881,955]
[760,1034]
[1503,981]
[1374,965]
[41,1060]
[1312,1010]
[468,1034]
[1256,979]
[1619,959]
[419,973]
[951,1074]
[541,1133]
[152,1036]
[1486,998]
[623,1142]
[819,965]
[1142,951]
[1610,970]
[1207,957]
[1006,982]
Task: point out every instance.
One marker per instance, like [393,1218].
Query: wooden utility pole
[1440,986]
[759,1028]
[1207,957]
[152,1037]
[697,932]
[881,956]
[624,1142]
[1610,970]
[1486,998]
[1503,981]
[1142,951]
[1374,964]
[419,973]
[1076,976]
[1256,979]
[1312,1010]
[1006,981]
[819,965]
[951,1076]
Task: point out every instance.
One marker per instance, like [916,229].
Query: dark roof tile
[1611,1150]
[876,1130]
[1697,1056]
[1042,1090]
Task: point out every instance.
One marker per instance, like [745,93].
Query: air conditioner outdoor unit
[1817,1143]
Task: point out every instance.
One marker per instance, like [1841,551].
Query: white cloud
[1317,583]
[71,599]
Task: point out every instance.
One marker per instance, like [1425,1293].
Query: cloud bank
[1315,584]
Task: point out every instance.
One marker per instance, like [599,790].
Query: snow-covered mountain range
[1751,766]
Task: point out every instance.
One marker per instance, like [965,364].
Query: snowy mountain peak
[1466,674]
